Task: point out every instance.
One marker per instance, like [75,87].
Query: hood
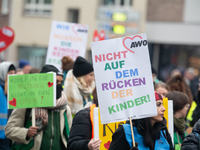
[196,127]
[4,66]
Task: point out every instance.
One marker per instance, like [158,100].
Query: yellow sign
[106,131]
[165,104]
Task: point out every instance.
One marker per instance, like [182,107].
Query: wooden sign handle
[132,131]
[33,117]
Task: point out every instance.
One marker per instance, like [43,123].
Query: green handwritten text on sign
[31,90]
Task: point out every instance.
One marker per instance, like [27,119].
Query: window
[35,55]
[73,15]
[38,7]
[4,7]
[117,2]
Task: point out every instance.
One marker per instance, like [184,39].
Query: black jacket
[81,131]
[196,112]
[192,140]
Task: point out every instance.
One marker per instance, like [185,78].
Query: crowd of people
[69,124]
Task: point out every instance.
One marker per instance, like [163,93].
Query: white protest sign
[66,39]
[123,78]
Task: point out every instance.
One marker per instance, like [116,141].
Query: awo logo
[130,42]
[79,29]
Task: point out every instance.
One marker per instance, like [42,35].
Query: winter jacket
[4,66]
[4,142]
[192,140]
[119,139]
[3,113]
[196,112]
[81,131]
[16,131]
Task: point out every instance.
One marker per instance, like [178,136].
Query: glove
[135,148]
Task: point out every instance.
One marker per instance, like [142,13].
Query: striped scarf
[41,114]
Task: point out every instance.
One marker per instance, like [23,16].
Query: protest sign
[31,90]
[99,36]
[104,131]
[123,78]
[66,39]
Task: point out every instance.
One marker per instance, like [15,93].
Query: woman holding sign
[149,133]
[52,123]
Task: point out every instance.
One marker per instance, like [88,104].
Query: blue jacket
[3,113]
[160,144]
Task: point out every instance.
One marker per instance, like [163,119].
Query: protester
[4,142]
[149,133]
[19,71]
[25,66]
[52,124]
[191,80]
[161,88]
[67,64]
[6,68]
[79,84]
[177,83]
[82,135]
[154,75]
[192,141]
[175,72]
[180,108]
[35,70]
[194,112]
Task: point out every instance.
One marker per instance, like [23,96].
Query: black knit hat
[82,67]
[50,68]
[12,67]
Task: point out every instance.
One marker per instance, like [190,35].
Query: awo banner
[123,78]
[66,39]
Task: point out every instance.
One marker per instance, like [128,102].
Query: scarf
[41,114]
[76,92]
[180,124]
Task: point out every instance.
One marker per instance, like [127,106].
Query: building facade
[173,31]
[31,21]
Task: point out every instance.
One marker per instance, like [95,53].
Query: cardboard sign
[66,39]
[123,78]
[31,90]
[104,131]
[6,37]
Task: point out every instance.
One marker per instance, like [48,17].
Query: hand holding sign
[6,38]
[94,144]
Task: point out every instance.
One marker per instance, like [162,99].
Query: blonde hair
[82,81]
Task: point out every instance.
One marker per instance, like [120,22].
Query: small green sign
[31,90]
